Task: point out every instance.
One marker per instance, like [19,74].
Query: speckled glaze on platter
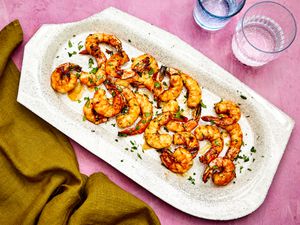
[267,128]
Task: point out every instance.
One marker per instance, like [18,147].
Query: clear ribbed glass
[215,14]
[266,29]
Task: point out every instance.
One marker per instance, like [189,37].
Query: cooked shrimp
[114,63]
[193,102]
[144,65]
[108,107]
[170,106]
[193,90]
[64,77]
[93,40]
[93,79]
[176,86]
[228,112]
[145,74]
[236,140]
[177,126]
[128,118]
[90,113]
[222,171]
[186,125]
[147,112]
[213,135]
[152,135]
[180,161]
[187,139]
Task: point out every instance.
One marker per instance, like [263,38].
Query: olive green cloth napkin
[40,182]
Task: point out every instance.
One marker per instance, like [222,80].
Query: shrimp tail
[207,174]
[179,118]
[213,119]
[84,52]
[138,129]
[197,113]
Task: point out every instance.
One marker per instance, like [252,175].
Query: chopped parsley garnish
[245,158]
[241,168]
[94,70]
[119,89]
[243,97]
[80,47]
[151,71]
[72,53]
[253,149]
[203,105]
[192,180]
[147,114]
[178,115]
[122,160]
[249,169]
[83,118]
[212,122]
[70,44]
[165,83]
[122,135]
[79,101]
[129,40]
[91,62]
[93,131]
[116,140]
[138,154]
[114,125]
[157,84]
[57,57]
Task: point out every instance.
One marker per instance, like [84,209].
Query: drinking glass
[215,14]
[266,29]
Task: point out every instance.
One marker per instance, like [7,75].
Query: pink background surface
[278,82]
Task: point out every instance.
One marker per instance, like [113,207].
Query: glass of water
[215,14]
[266,29]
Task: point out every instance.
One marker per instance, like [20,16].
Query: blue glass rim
[223,17]
[292,16]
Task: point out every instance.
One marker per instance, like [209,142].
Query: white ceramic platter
[264,126]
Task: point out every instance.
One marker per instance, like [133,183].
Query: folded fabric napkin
[40,182]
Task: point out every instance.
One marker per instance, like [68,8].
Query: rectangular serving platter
[263,124]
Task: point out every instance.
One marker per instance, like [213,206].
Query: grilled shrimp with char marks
[147,113]
[236,140]
[64,77]
[194,92]
[144,74]
[193,102]
[108,107]
[221,170]
[93,79]
[128,118]
[90,113]
[176,86]
[213,135]
[179,161]
[187,139]
[92,44]
[152,135]
[228,112]
[114,63]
